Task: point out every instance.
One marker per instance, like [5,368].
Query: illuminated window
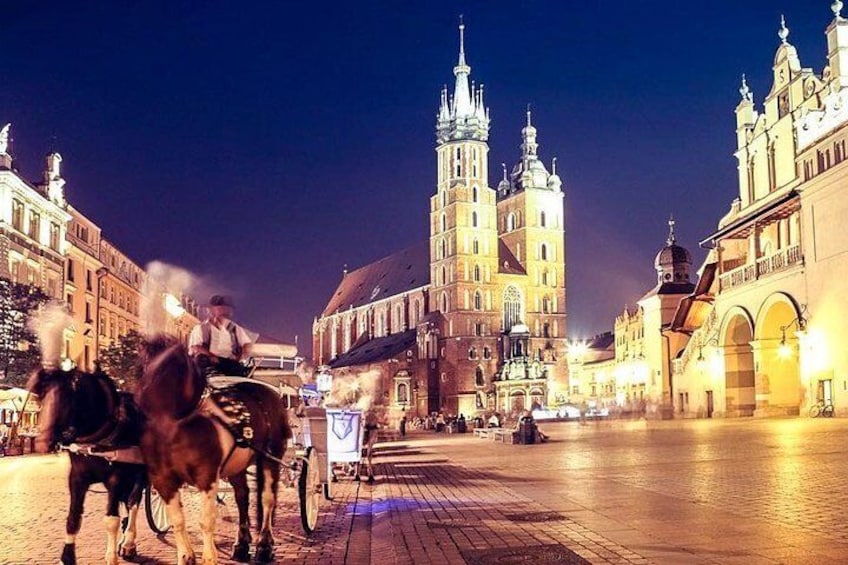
[18,215]
[54,236]
[34,225]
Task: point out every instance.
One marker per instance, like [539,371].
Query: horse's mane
[171,385]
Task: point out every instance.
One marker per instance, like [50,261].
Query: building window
[402,393]
[474,190]
[70,270]
[478,300]
[54,236]
[88,278]
[474,219]
[543,252]
[545,277]
[34,225]
[444,275]
[444,302]
[476,273]
[478,328]
[444,223]
[546,330]
[487,353]
[472,353]
[510,222]
[87,313]
[458,162]
[475,246]
[444,249]
[479,380]
[542,219]
[512,307]
[70,300]
[18,215]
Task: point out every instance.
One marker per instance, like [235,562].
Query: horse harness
[101,443]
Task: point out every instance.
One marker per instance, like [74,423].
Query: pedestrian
[403,426]
[218,343]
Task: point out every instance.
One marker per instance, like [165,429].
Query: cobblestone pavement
[750,491]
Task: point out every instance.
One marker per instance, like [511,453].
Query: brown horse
[86,410]
[196,440]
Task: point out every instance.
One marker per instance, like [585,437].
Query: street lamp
[784,350]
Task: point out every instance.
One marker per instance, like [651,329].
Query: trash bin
[526,430]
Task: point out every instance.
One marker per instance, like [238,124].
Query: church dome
[672,254]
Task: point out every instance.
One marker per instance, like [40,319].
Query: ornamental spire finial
[4,139]
[837,9]
[503,166]
[671,222]
[553,166]
[529,114]
[783,32]
[461,41]
[745,91]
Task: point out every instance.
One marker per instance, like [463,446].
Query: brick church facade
[472,320]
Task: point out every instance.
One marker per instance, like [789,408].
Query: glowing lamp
[173,306]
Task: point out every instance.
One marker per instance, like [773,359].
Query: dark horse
[86,410]
[196,440]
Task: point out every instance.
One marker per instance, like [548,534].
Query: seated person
[494,422]
[218,344]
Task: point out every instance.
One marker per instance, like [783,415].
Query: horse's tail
[260,488]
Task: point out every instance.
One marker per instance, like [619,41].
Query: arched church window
[458,162]
[543,252]
[545,277]
[487,353]
[474,219]
[476,273]
[542,219]
[510,222]
[472,353]
[511,307]
[475,246]
[478,300]
[444,223]
[444,302]
[444,275]
[444,246]
[444,198]
[474,194]
[479,380]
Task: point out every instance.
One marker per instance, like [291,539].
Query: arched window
[472,353]
[444,223]
[458,162]
[478,300]
[511,307]
[487,353]
[542,219]
[543,252]
[478,377]
[444,246]
[510,222]
[476,273]
[444,302]
[545,277]
[474,194]
[475,246]
[444,198]
[474,219]
[402,393]
[444,275]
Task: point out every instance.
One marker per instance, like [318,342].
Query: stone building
[474,319]
[33,221]
[82,289]
[768,323]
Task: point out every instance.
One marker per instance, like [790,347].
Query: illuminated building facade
[33,221]
[768,320]
[474,319]
[82,272]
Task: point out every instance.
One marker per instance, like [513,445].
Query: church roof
[670,288]
[400,272]
[693,310]
[507,263]
[378,349]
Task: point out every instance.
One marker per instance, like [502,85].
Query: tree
[122,361]
[19,351]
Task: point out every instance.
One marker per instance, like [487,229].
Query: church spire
[671,238]
[462,105]
[463,115]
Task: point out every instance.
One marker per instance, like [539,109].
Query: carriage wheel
[309,490]
[154,509]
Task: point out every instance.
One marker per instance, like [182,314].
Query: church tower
[464,240]
[531,223]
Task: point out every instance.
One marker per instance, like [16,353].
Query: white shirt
[221,343]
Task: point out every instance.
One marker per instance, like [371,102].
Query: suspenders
[206,337]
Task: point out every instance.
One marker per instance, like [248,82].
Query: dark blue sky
[264,145]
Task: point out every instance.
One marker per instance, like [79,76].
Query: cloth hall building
[472,320]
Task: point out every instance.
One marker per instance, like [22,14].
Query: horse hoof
[128,553]
[356,478]
[69,555]
[264,554]
[241,553]
[371,480]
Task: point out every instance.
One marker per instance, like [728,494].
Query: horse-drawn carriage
[261,421]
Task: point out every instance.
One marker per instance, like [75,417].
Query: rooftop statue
[4,139]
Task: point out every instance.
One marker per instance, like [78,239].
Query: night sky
[264,145]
